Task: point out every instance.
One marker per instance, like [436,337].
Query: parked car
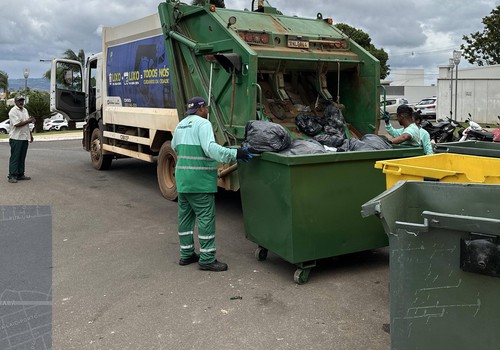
[427,107]
[5,127]
[392,104]
[55,124]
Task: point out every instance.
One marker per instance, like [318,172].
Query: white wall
[415,94]
[407,77]
[478,93]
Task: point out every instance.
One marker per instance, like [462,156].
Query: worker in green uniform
[425,138]
[196,180]
[409,134]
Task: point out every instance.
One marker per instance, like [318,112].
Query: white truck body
[124,96]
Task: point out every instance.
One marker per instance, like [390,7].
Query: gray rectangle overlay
[25,277]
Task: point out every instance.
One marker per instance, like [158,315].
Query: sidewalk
[74,135]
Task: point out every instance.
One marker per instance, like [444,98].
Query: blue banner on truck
[138,72]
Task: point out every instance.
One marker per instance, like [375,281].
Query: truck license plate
[299,44]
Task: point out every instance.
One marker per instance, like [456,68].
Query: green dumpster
[473,148]
[444,264]
[304,208]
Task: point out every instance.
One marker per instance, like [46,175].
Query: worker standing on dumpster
[196,180]
[409,134]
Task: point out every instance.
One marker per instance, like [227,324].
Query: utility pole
[457,54]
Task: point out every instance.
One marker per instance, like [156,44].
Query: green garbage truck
[253,64]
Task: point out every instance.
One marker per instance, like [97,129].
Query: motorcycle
[475,132]
[443,131]
[496,133]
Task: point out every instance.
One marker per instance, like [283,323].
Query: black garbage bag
[369,142]
[375,142]
[330,140]
[309,124]
[333,118]
[262,136]
[301,146]
[332,137]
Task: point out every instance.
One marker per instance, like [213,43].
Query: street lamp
[457,54]
[452,64]
[26,74]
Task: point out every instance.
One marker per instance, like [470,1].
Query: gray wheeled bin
[444,264]
[473,148]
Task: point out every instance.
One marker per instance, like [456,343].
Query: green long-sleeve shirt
[197,156]
[411,129]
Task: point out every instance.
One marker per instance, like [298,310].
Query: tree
[484,48]
[364,40]
[4,83]
[4,111]
[70,55]
[39,107]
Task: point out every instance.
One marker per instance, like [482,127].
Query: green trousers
[199,207]
[18,151]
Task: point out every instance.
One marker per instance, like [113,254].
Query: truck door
[67,93]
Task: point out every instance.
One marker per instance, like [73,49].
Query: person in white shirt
[19,138]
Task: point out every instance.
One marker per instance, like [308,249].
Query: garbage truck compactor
[255,64]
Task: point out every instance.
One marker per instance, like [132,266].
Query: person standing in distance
[19,138]
[196,180]
[409,134]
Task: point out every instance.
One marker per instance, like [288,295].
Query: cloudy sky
[416,34]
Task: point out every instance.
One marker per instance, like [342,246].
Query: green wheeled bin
[444,242]
[473,148]
[306,207]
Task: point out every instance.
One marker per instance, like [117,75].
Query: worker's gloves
[387,117]
[243,154]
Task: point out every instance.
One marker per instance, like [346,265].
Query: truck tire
[165,171]
[99,160]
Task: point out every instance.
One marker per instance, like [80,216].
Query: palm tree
[4,83]
[70,55]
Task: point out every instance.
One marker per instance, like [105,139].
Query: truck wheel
[99,160]
[165,171]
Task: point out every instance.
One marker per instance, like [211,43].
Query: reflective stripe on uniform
[187,246]
[187,233]
[206,237]
[195,167]
[207,250]
[194,158]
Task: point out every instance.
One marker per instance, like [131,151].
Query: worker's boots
[192,259]
[214,266]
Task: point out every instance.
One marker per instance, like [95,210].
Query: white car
[427,107]
[5,126]
[392,104]
[55,124]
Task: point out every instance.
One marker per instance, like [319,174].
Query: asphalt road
[117,285]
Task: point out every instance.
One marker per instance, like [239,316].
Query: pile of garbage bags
[328,135]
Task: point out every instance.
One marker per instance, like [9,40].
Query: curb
[43,138]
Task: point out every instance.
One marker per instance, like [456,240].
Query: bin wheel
[301,276]
[261,253]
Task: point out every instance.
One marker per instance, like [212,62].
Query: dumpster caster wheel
[301,276]
[261,253]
